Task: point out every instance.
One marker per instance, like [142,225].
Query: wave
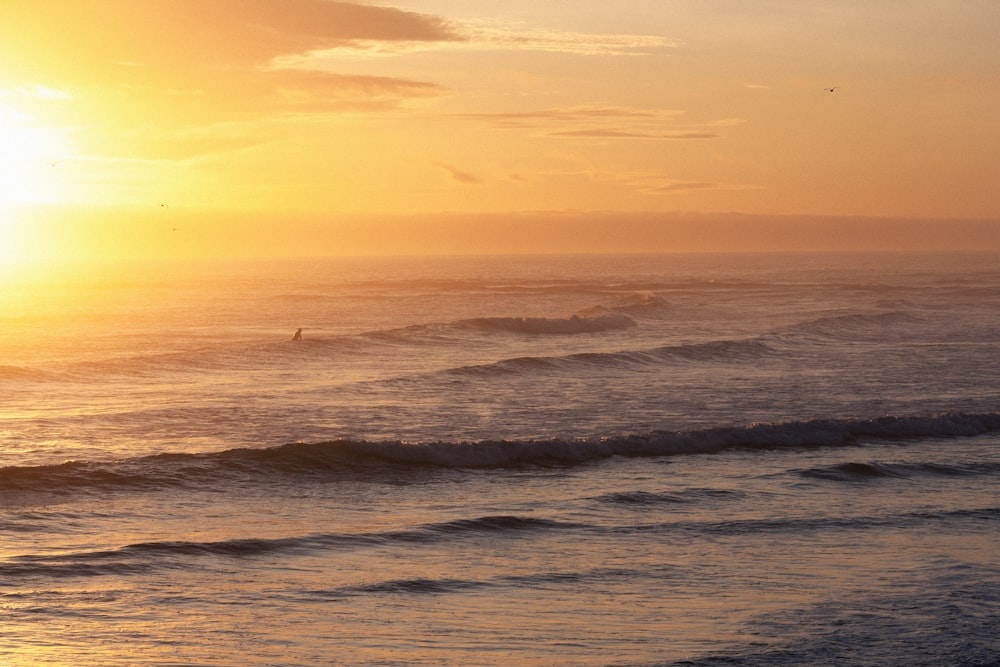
[651,499]
[641,303]
[388,460]
[714,351]
[857,324]
[590,321]
[422,586]
[26,374]
[145,556]
[854,471]
[823,523]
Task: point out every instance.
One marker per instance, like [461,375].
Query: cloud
[620,134]
[517,37]
[186,45]
[196,33]
[650,183]
[659,186]
[606,122]
[305,90]
[493,36]
[683,186]
[139,72]
[459,176]
[547,117]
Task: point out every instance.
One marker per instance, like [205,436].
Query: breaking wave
[388,460]
[592,321]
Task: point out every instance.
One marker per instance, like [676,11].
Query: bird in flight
[830,90]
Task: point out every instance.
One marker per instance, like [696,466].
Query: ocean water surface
[592,460]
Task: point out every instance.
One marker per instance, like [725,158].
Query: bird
[830,90]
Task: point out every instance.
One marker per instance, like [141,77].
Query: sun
[30,157]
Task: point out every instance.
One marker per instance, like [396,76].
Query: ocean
[695,460]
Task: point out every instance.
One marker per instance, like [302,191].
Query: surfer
[298,334]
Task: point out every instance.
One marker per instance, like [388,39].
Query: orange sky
[312,126]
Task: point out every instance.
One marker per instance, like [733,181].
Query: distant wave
[588,322]
[641,303]
[857,324]
[567,286]
[21,373]
[15,372]
[388,460]
[712,351]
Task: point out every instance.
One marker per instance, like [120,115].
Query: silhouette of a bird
[830,90]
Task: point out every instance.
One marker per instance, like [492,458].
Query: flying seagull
[830,90]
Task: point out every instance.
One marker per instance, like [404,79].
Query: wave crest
[387,460]
[588,321]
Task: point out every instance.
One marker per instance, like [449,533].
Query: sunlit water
[696,460]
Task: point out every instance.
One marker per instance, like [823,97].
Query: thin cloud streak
[459,176]
[545,117]
[622,134]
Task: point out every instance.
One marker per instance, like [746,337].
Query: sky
[256,127]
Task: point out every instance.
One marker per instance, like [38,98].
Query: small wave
[853,471]
[143,556]
[820,523]
[22,374]
[422,586]
[647,498]
[413,587]
[492,524]
[65,570]
[643,498]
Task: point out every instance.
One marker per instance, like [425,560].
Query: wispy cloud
[519,37]
[607,122]
[307,90]
[458,175]
[683,186]
[623,134]
[657,185]
[641,182]
[548,117]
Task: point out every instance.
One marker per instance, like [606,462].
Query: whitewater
[760,459]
